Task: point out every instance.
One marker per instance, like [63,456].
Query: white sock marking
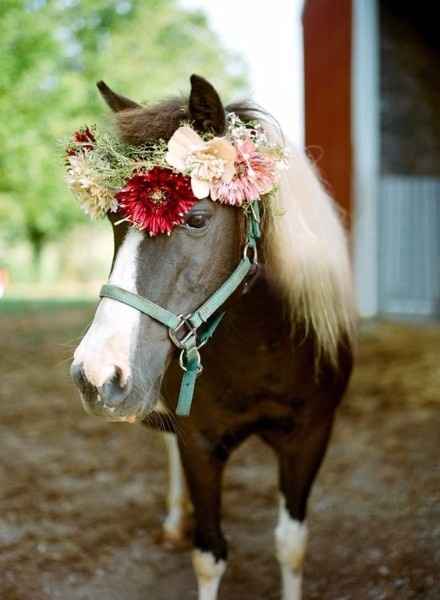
[209,573]
[291,539]
[178,501]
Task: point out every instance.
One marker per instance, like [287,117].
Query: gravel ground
[81,499]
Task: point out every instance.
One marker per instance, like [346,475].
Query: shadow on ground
[80,499]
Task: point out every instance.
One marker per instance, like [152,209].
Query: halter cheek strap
[192,331]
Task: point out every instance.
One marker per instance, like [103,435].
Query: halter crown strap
[189,333]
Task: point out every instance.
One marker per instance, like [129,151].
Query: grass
[12,306]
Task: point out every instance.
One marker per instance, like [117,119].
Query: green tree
[51,54]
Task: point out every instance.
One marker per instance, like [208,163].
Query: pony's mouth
[114,401]
[95,406]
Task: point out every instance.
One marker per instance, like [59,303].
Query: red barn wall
[327,89]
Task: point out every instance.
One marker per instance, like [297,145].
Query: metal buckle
[190,332]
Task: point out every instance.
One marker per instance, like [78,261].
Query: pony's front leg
[291,540]
[300,455]
[204,474]
[177,524]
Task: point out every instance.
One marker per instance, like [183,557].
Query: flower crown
[154,185]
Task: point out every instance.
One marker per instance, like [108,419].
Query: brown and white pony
[278,364]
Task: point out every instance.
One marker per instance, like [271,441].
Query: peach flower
[205,162]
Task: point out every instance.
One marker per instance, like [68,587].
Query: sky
[268,35]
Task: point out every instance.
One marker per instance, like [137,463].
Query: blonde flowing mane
[307,255]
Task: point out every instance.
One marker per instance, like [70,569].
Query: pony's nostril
[80,379]
[77,374]
[114,391]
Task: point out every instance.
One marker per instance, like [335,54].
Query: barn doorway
[409,189]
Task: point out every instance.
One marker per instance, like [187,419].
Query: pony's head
[120,362]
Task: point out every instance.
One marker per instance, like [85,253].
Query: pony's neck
[254,349]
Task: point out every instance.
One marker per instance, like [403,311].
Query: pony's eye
[197,221]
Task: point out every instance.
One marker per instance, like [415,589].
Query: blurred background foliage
[51,54]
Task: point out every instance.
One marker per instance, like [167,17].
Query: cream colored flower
[94,199]
[205,162]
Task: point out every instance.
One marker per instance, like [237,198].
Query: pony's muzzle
[111,399]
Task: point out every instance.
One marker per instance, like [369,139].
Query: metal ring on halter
[253,247]
[199,360]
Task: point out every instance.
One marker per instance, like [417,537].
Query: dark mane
[160,121]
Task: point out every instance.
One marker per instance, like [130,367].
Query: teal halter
[192,331]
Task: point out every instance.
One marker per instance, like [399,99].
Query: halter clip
[196,353]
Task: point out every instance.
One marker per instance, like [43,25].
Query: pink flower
[255,175]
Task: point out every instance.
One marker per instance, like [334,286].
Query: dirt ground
[81,499]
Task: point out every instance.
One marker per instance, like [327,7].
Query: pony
[278,364]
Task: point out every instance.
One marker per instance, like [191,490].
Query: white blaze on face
[113,334]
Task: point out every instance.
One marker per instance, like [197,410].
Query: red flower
[83,139]
[156,200]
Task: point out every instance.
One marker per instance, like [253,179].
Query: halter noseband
[192,331]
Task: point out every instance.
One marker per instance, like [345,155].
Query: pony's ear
[114,100]
[205,107]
